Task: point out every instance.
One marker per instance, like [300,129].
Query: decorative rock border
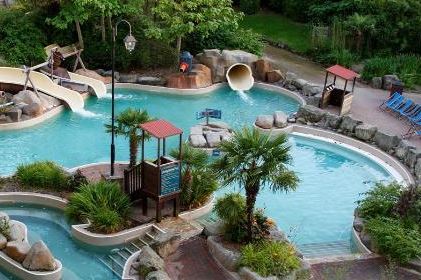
[34,121]
[17,269]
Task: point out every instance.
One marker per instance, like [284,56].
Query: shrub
[104,204]
[394,240]
[42,174]
[379,201]
[225,38]
[250,6]
[106,221]
[198,191]
[270,258]
[231,208]
[5,227]
[328,56]
[406,67]
[21,40]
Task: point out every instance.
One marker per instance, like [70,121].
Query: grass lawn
[278,28]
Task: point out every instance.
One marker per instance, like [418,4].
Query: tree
[361,26]
[128,125]
[176,19]
[254,159]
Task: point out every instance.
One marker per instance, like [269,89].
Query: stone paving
[192,261]
[366,99]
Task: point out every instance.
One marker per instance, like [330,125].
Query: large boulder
[290,76]
[157,275]
[274,76]
[49,102]
[311,89]
[262,67]
[17,232]
[96,74]
[331,121]
[200,77]
[109,74]
[33,110]
[39,258]
[280,119]
[166,243]
[349,124]
[417,169]
[213,139]
[299,83]
[128,78]
[365,132]
[151,81]
[386,141]
[149,259]
[14,114]
[310,113]
[198,141]
[27,97]
[411,158]
[264,121]
[376,82]
[213,59]
[231,57]
[3,241]
[17,250]
[196,130]
[401,151]
[388,80]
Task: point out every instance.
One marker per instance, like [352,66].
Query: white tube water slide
[42,83]
[240,77]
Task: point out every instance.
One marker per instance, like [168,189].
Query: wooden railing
[132,180]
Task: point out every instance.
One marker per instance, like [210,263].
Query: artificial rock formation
[199,77]
[39,258]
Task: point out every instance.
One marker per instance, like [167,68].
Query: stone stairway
[117,258]
[316,250]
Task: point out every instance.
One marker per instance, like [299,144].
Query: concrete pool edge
[393,166]
[34,121]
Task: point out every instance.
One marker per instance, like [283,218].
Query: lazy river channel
[331,176]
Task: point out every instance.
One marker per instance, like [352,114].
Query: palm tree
[192,159]
[254,159]
[127,124]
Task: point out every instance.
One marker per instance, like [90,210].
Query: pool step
[316,250]
[117,258]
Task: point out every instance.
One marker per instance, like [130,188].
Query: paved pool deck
[365,106]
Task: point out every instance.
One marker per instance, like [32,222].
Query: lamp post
[129,43]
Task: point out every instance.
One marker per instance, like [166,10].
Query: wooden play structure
[160,179]
[335,96]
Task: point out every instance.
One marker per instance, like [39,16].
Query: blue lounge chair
[411,112]
[416,118]
[398,103]
[402,108]
[392,100]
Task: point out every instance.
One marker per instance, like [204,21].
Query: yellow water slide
[44,84]
[98,86]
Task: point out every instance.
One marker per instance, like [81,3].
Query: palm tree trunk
[133,149]
[251,194]
[178,47]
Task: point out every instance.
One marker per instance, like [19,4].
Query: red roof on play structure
[160,129]
[342,72]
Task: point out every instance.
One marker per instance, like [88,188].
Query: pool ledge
[34,121]
[388,162]
[17,269]
[33,198]
[199,91]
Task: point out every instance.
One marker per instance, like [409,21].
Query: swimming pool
[79,260]
[321,209]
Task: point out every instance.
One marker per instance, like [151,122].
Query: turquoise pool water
[319,211]
[72,139]
[79,261]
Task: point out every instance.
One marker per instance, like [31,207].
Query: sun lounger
[413,111]
[408,103]
[392,100]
